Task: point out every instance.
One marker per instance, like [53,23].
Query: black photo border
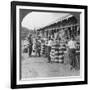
[13,44]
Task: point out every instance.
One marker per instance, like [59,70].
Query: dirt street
[39,67]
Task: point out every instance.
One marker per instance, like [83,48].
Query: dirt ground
[39,67]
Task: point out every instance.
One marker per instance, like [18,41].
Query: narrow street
[39,67]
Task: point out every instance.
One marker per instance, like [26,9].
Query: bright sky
[35,20]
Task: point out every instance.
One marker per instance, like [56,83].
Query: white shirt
[72,44]
[50,43]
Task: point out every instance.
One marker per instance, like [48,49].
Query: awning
[36,20]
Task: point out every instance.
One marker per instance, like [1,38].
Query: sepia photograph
[50,44]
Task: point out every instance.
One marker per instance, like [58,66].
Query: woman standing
[38,47]
[30,44]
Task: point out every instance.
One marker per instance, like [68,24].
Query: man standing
[50,41]
[38,47]
[30,44]
[72,54]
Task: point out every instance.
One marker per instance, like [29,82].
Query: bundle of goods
[78,55]
[78,48]
[25,45]
[57,52]
[54,54]
[62,50]
[42,49]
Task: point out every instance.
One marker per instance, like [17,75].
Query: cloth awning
[36,20]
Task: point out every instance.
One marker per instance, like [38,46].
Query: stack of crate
[78,48]
[42,49]
[78,55]
[57,52]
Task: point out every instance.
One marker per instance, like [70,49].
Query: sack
[33,53]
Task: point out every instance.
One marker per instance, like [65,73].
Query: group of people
[39,46]
[34,46]
[43,47]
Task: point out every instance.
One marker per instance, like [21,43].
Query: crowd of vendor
[55,49]
[59,43]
